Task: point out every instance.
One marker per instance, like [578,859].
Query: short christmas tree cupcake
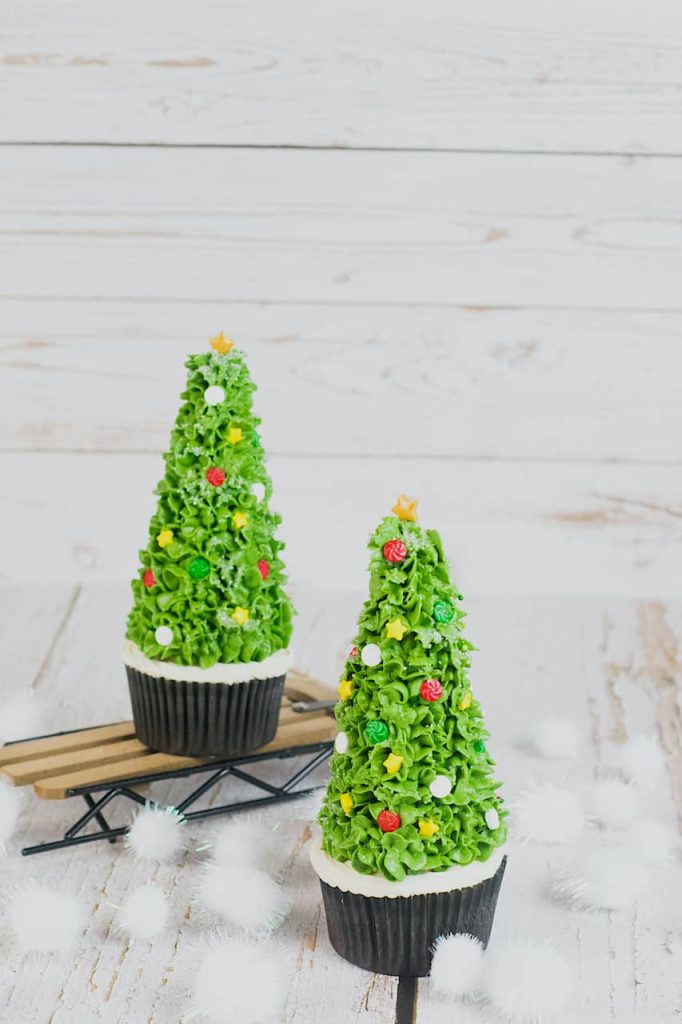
[207,638]
[413,828]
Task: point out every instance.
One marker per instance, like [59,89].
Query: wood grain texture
[508,527]
[116,765]
[17,753]
[604,664]
[392,381]
[244,225]
[600,77]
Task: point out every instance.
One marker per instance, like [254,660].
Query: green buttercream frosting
[206,541]
[433,738]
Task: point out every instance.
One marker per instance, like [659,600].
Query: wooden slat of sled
[25,772]
[300,686]
[311,729]
[98,736]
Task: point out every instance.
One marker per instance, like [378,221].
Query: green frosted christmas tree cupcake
[413,828]
[207,639]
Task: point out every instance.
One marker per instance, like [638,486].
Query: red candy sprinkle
[353,653]
[215,476]
[395,551]
[149,579]
[388,821]
[263,569]
[431,689]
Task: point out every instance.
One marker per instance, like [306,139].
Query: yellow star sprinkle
[239,520]
[221,344]
[235,434]
[240,615]
[345,688]
[405,508]
[395,630]
[427,828]
[465,701]
[164,538]
[393,763]
[346,801]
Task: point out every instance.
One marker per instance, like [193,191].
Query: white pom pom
[156,833]
[10,808]
[237,982]
[144,913]
[652,842]
[457,966]
[308,807]
[22,717]
[528,981]
[243,896]
[548,814]
[245,842]
[641,760]
[45,921]
[607,879]
[555,738]
[614,803]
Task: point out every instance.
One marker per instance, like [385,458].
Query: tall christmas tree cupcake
[207,639]
[413,828]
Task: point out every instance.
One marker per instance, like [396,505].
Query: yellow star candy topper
[345,689]
[221,344]
[395,629]
[427,828]
[239,520]
[240,615]
[393,763]
[164,537]
[235,435]
[346,801]
[405,509]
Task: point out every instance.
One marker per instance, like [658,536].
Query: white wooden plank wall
[585,76]
[448,237]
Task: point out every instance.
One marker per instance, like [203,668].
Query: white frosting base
[240,672]
[343,876]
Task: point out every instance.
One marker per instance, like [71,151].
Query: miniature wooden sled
[105,763]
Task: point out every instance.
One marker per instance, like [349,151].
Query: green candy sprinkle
[479,746]
[199,568]
[443,611]
[376,731]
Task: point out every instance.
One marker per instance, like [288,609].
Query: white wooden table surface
[612,667]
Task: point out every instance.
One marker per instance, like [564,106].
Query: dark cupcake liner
[202,719]
[395,935]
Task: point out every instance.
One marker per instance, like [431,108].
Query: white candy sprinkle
[341,743]
[371,654]
[258,490]
[441,786]
[214,395]
[492,819]
[164,635]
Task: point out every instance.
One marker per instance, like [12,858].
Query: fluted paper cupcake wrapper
[395,935]
[204,719]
